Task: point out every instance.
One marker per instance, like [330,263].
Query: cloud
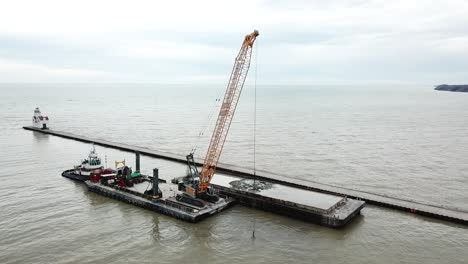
[16,71]
[300,41]
[172,50]
[76,17]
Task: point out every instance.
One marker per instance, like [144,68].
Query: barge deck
[320,208]
[168,206]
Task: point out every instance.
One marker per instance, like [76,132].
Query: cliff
[452,88]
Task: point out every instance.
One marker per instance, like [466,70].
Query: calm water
[409,142]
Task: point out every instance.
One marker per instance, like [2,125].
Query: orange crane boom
[226,112]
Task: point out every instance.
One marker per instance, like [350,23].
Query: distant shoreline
[452,87]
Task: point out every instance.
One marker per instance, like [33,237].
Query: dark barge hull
[76,177]
[337,218]
[168,207]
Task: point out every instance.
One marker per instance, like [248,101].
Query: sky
[300,42]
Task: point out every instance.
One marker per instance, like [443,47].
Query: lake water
[404,141]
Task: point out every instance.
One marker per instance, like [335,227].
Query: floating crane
[196,183]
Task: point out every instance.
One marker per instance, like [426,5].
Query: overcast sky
[303,42]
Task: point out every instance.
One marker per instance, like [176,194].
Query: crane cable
[255,132]
[208,122]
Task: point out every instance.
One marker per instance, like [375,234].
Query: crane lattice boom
[226,113]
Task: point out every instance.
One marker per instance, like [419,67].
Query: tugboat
[88,167]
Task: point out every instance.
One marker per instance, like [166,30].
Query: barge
[320,208]
[149,192]
[156,195]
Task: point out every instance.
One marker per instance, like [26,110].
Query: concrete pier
[442,212]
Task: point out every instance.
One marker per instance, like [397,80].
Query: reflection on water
[155,229]
[40,137]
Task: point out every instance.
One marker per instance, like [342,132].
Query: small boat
[88,167]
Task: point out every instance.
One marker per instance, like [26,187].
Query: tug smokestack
[155,181]
[137,162]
